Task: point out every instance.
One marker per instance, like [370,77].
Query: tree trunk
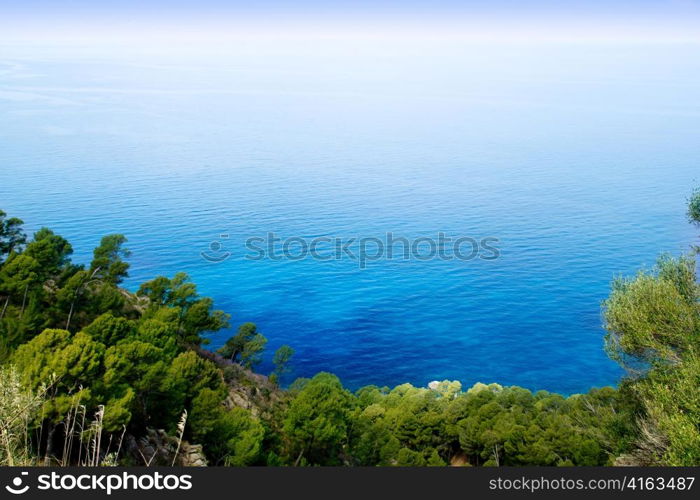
[70,313]
[296,462]
[7,301]
[49,445]
[24,300]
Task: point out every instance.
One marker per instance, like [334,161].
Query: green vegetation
[88,370]
[281,361]
[653,323]
[694,207]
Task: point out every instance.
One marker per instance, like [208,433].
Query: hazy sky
[637,20]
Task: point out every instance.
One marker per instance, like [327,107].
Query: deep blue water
[578,158]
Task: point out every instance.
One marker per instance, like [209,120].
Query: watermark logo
[17,488]
[361,249]
[216,253]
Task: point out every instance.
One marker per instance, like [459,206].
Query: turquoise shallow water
[577,158]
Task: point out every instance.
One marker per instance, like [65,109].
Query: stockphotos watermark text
[360,249]
[107,482]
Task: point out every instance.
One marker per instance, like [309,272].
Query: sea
[274,173]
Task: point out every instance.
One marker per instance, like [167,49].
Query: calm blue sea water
[578,158]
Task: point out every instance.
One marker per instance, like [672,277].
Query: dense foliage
[73,344]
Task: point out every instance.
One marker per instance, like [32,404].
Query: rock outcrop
[158,448]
